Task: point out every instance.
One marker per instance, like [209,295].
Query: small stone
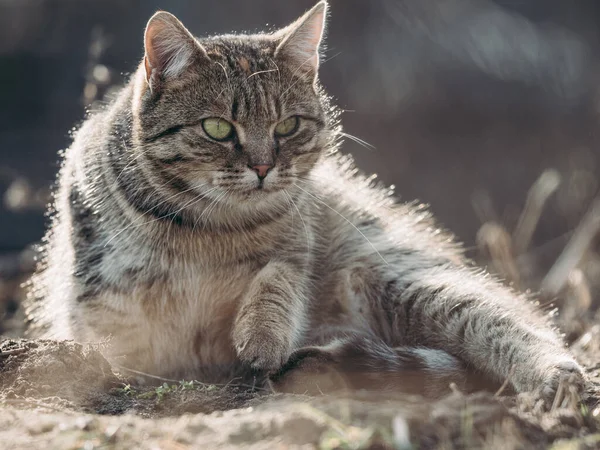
[301,430]
[84,423]
[31,393]
[41,427]
[10,395]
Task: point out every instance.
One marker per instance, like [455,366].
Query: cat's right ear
[301,42]
[169,49]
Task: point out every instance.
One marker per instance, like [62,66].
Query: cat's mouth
[266,186]
[261,189]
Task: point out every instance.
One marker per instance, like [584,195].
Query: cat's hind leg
[469,315]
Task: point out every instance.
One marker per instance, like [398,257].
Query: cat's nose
[262,170]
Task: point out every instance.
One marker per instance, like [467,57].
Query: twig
[506,381]
[454,388]
[156,377]
[493,238]
[573,252]
[16,351]
[537,197]
[484,207]
[578,295]
[558,398]
[32,403]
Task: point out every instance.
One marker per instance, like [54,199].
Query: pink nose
[262,170]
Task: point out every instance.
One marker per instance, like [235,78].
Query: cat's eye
[287,127]
[217,128]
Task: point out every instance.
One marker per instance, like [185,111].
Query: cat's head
[236,114]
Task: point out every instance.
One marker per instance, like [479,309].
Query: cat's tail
[358,363]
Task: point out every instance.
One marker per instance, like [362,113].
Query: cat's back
[362,212]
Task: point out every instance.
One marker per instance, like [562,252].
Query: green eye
[218,129]
[287,127]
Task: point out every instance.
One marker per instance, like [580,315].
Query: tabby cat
[205,226]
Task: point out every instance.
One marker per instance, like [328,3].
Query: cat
[205,226]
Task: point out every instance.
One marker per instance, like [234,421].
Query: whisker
[290,207]
[358,140]
[220,93]
[209,209]
[261,71]
[226,75]
[330,58]
[278,73]
[293,75]
[347,220]
[217,203]
[391,205]
[190,203]
[126,166]
[302,219]
[134,225]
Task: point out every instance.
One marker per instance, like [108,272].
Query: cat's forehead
[242,53]
[247,78]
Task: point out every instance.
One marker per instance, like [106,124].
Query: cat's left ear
[169,49]
[301,41]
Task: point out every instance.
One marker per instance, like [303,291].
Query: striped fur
[165,244]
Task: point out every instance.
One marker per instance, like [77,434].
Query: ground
[66,395]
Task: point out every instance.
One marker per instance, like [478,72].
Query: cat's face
[232,117]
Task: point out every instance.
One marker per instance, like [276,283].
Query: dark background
[464,101]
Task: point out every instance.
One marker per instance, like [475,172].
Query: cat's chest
[177,291]
[204,291]
[188,271]
[184,317]
[209,291]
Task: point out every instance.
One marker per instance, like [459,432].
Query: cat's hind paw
[564,382]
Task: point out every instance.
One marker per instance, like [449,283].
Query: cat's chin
[258,193]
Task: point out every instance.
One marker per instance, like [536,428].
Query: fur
[166,245]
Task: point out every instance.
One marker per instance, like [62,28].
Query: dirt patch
[70,376]
[66,395]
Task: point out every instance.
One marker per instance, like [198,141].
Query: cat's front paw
[261,347]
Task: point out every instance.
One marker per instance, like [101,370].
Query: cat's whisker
[173,214]
[140,153]
[262,71]
[372,209]
[358,140]
[281,97]
[208,209]
[218,201]
[220,93]
[134,224]
[330,58]
[346,219]
[226,75]
[190,203]
[302,219]
[126,166]
[278,73]
[289,206]
[197,200]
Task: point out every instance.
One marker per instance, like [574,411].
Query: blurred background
[487,110]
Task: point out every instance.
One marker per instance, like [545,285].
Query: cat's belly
[177,328]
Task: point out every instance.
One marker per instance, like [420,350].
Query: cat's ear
[301,41]
[169,48]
